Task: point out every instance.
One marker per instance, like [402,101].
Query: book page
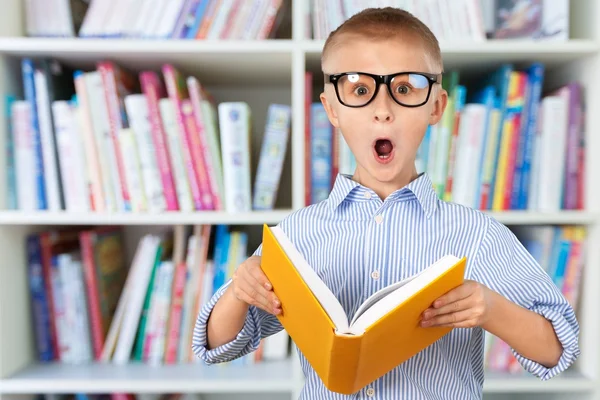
[380,294]
[401,294]
[326,298]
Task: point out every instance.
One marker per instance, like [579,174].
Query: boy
[385,223]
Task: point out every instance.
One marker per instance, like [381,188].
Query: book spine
[174,93]
[209,158]
[571,167]
[272,155]
[30,96]
[536,76]
[24,156]
[51,175]
[91,282]
[307,137]
[175,316]
[234,122]
[191,130]
[268,22]
[46,251]
[42,318]
[107,72]
[184,195]
[149,81]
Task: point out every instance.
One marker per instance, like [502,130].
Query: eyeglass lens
[358,89]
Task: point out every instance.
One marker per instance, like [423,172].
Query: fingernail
[268,286]
[276,303]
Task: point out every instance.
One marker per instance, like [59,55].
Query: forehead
[357,53]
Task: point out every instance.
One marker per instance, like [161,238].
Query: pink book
[196,91]
[173,329]
[266,27]
[178,93]
[153,90]
[117,84]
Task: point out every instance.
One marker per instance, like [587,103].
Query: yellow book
[385,331]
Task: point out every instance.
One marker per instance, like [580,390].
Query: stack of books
[90,304]
[109,140]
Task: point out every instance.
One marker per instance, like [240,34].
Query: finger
[257,282]
[456,306]
[470,323]
[255,270]
[459,293]
[253,297]
[452,319]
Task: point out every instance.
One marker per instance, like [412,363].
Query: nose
[383,106]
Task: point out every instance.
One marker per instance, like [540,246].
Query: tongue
[383,147]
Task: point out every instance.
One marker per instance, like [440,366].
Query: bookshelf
[236,70]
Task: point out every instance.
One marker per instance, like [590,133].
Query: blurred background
[146,142]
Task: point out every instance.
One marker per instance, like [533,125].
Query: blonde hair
[386,23]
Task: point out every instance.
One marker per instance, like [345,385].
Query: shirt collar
[420,188]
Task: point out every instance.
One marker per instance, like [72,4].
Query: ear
[439,105]
[329,109]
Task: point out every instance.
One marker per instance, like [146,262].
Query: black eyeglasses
[408,89]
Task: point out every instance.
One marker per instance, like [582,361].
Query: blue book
[28,69]
[11,182]
[535,75]
[321,151]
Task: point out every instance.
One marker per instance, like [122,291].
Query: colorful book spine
[177,92]
[321,151]
[152,89]
[112,78]
[28,69]
[272,156]
[207,143]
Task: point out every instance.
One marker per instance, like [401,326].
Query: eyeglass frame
[384,79]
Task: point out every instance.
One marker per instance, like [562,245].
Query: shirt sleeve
[504,265]
[258,325]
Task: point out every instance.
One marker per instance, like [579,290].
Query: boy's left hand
[466,306]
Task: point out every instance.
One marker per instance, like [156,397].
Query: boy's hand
[466,306]
[250,285]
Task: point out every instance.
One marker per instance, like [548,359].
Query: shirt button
[367,195]
[375,274]
[370,392]
[379,219]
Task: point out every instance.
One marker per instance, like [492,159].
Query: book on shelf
[560,250]
[506,141]
[157,19]
[113,140]
[90,304]
[458,21]
[349,354]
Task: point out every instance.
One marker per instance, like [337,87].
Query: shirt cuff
[568,337]
[246,341]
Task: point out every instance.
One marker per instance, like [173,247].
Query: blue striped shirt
[358,244]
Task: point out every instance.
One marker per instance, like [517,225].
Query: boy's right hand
[250,285]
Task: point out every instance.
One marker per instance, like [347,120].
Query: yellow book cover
[348,355]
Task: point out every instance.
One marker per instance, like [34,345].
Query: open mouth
[384,149]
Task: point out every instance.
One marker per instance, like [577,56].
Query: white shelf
[548,218]
[166,218]
[263,377]
[139,378]
[252,218]
[463,54]
[567,382]
[217,62]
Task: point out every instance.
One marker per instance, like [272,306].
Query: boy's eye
[361,91]
[403,89]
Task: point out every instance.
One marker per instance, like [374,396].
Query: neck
[385,188]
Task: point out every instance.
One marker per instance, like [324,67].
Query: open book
[384,331]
